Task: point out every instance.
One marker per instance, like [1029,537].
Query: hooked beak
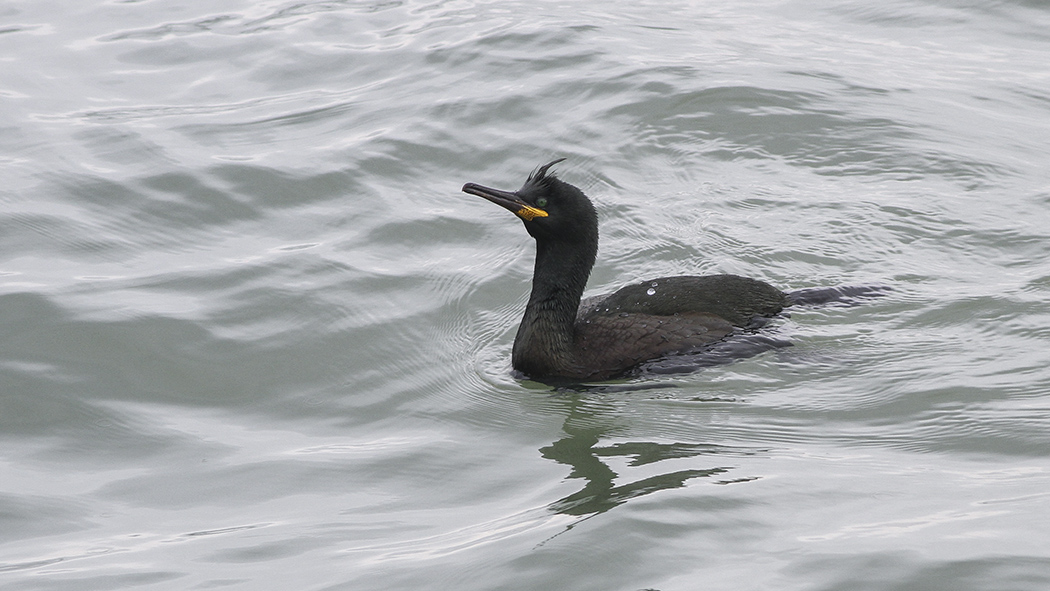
[507,200]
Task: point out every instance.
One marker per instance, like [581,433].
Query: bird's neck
[544,343]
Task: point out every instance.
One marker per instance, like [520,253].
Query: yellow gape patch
[527,213]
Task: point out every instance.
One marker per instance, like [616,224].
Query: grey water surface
[252,335]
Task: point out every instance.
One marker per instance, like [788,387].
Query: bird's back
[739,300]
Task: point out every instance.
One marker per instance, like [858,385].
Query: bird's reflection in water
[599,493]
[579,448]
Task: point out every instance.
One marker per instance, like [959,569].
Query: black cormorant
[562,339]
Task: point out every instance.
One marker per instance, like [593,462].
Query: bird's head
[551,209]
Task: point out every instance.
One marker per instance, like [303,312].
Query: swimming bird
[562,339]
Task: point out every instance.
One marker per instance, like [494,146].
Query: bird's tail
[847,295]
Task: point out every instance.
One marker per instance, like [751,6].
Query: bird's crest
[540,173]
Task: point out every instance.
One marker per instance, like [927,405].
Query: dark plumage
[560,339]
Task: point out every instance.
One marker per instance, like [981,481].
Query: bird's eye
[541,202]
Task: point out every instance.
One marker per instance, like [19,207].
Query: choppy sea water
[252,336]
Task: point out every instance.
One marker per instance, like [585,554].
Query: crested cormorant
[560,339]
